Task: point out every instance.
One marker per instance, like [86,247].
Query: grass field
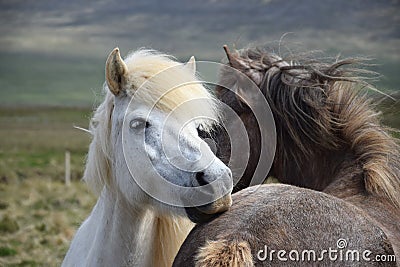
[39,214]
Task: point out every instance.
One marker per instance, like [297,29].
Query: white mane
[160,80]
[149,235]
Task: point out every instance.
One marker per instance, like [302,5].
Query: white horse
[143,120]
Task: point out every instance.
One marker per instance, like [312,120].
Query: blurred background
[52,56]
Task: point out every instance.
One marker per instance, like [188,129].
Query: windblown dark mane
[328,138]
[324,120]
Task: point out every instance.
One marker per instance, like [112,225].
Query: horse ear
[116,72]
[235,61]
[191,64]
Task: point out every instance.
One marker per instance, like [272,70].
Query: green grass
[38,213]
[34,141]
[47,213]
[43,80]
[6,251]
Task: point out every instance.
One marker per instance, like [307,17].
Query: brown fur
[285,217]
[329,138]
[321,115]
[225,253]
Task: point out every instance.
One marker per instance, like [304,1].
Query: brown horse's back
[282,217]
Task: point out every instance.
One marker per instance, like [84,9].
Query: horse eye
[201,132]
[138,124]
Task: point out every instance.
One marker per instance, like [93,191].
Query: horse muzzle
[205,213]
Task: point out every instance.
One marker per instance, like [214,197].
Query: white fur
[126,226]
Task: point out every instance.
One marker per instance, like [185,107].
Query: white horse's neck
[123,234]
[116,234]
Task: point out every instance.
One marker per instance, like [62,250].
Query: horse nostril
[200,178]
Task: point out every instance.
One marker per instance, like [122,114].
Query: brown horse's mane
[321,107]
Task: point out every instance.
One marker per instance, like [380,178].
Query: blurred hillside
[53,52]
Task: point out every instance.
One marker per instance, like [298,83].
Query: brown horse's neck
[324,124]
[313,168]
[316,170]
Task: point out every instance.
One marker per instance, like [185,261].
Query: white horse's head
[145,138]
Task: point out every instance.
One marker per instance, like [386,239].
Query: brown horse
[329,139]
